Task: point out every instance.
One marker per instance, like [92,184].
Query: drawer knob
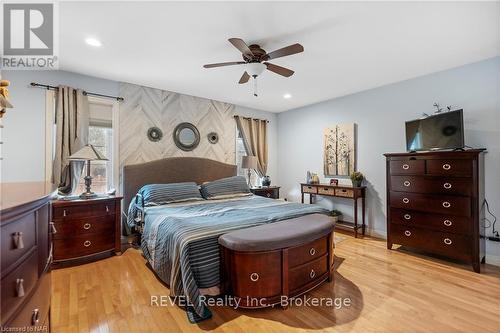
[447,223]
[406,200]
[87,243]
[87,226]
[53,228]
[406,166]
[268,195]
[35,317]
[446,166]
[65,213]
[312,251]
[18,240]
[254,277]
[407,216]
[20,287]
[312,274]
[446,204]
[107,209]
[447,186]
[407,233]
[447,241]
[407,183]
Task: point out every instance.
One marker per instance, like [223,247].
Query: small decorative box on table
[86,230]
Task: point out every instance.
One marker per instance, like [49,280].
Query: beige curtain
[254,134]
[72,128]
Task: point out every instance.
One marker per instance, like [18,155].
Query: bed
[180,240]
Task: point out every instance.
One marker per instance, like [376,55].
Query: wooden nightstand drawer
[67,229]
[342,192]
[309,189]
[272,192]
[75,211]
[82,245]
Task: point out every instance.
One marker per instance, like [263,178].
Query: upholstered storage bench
[286,258]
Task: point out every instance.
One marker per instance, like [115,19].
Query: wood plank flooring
[390,291]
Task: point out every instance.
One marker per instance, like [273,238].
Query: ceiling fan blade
[286,51]
[220,64]
[279,70]
[242,46]
[244,78]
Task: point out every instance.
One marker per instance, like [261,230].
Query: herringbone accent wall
[147,107]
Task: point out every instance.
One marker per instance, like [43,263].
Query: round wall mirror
[186,136]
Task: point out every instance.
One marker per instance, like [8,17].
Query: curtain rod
[86,93]
[267,121]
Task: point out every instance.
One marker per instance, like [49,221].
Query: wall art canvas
[339,150]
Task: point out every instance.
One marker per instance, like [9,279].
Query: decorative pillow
[161,194]
[225,188]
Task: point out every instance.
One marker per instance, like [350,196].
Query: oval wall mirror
[186,136]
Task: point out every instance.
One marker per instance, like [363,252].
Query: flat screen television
[440,131]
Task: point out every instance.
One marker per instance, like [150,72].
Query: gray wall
[380,114]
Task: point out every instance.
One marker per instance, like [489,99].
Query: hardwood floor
[390,291]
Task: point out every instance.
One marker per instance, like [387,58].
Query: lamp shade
[88,153]
[249,162]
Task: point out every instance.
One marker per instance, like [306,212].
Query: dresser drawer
[17,285]
[437,185]
[441,204]
[70,228]
[342,192]
[325,190]
[407,167]
[302,254]
[309,189]
[84,210]
[302,275]
[18,238]
[36,311]
[81,245]
[461,168]
[445,223]
[451,245]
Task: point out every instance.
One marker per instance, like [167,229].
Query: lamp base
[88,195]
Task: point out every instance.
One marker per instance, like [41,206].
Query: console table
[340,191]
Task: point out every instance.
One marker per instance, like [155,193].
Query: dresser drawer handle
[446,204]
[326,189]
[407,183]
[35,317]
[447,223]
[407,216]
[107,209]
[87,226]
[406,200]
[254,277]
[406,166]
[407,233]
[312,274]
[268,194]
[20,287]
[312,251]
[447,186]
[53,229]
[65,213]
[18,240]
[309,187]
[447,241]
[87,243]
[446,166]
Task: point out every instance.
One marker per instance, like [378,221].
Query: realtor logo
[28,36]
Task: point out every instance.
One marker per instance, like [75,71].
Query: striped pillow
[225,188]
[161,194]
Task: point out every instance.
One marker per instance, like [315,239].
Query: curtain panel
[72,128]
[254,134]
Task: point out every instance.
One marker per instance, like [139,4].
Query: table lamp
[249,162]
[88,153]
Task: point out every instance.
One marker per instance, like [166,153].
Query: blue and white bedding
[180,240]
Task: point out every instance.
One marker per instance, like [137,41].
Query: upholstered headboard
[172,170]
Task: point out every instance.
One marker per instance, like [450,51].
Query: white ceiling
[349,47]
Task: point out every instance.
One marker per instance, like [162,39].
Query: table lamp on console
[88,153]
[249,162]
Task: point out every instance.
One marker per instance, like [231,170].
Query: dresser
[434,203]
[26,256]
[86,230]
[272,192]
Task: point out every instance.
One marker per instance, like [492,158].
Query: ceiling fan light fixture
[254,69]
[287,96]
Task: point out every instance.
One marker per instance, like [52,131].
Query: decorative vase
[357,183]
[314,179]
[266,181]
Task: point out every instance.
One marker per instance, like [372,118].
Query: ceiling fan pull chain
[255,86]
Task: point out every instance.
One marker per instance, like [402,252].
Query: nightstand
[85,230]
[272,192]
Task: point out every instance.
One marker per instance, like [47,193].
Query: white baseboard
[492,259]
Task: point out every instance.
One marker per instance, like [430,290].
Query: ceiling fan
[256,60]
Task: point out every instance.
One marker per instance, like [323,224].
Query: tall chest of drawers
[434,203]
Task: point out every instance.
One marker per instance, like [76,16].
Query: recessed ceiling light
[287,96]
[93,42]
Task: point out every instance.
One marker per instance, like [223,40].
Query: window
[240,152]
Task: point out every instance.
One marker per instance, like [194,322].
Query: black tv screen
[441,131]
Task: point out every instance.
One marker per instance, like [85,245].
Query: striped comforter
[180,240]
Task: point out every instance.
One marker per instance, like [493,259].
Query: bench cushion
[278,235]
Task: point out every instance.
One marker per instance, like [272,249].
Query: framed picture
[339,150]
[334,182]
